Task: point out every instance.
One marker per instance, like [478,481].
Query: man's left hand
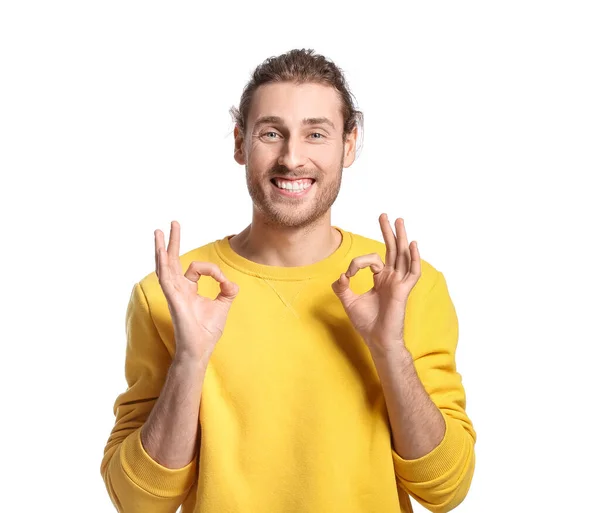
[378,314]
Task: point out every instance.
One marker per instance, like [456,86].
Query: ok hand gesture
[378,314]
[198,321]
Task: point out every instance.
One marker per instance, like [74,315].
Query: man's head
[296,120]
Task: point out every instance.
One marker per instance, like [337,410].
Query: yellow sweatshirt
[292,416]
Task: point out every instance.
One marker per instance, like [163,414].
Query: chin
[292,217]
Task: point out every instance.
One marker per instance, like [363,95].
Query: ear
[350,147]
[239,153]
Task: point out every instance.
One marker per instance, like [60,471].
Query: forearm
[417,424]
[169,434]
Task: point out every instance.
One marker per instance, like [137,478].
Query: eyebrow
[264,120]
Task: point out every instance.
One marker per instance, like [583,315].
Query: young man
[291,391]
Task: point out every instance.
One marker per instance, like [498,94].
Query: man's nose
[293,154]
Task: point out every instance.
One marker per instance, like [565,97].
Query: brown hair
[300,66]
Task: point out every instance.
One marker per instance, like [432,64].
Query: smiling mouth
[294,184]
[294,187]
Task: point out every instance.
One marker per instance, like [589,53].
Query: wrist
[185,360]
[392,353]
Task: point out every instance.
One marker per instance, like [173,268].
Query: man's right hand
[198,321]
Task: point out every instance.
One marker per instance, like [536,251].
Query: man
[291,391]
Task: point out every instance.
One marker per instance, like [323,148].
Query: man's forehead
[282,103]
[278,120]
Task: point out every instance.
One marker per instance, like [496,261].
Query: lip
[293,178]
[292,194]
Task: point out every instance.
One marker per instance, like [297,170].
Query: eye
[266,133]
[319,134]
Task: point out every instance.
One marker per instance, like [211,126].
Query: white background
[481,129]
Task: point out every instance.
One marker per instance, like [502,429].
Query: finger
[403,253]
[155,254]
[415,262]
[163,269]
[197,269]
[174,236]
[372,260]
[390,240]
[158,244]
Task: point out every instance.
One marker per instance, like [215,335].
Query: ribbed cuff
[151,475]
[441,460]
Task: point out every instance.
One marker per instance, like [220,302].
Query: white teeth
[298,185]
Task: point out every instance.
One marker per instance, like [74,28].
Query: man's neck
[286,247]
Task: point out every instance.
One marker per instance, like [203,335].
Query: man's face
[289,135]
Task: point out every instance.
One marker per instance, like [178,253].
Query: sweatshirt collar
[328,264]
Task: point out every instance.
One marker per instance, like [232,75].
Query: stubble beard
[289,214]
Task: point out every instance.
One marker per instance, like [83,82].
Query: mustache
[286,173]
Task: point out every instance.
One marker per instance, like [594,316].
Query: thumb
[341,288]
[229,291]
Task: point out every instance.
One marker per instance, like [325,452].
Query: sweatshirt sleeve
[440,480]
[135,482]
